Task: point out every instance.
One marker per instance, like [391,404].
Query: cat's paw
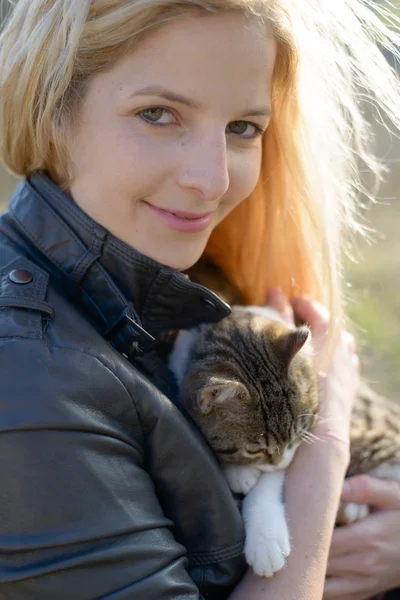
[241,479]
[267,546]
[349,512]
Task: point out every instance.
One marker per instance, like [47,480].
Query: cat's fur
[249,385]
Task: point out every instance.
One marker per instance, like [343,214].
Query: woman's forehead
[224,58]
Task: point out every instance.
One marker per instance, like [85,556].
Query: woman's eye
[157,115]
[245,129]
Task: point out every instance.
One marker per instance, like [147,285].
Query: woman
[150,133]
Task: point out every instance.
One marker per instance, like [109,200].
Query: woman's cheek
[245,173]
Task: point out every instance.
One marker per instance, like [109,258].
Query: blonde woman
[150,133]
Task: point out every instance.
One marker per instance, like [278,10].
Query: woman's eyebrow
[156,90]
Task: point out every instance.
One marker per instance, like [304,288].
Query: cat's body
[248,383]
[375,444]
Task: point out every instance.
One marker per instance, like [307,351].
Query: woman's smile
[182,220]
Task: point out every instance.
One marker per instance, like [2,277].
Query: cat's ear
[220,392]
[290,343]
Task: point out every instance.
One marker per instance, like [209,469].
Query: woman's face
[169,140]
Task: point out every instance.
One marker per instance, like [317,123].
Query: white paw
[267,546]
[241,479]
[354,512]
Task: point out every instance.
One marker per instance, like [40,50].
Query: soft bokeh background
[373,285]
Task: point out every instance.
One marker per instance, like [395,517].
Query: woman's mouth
[181,220]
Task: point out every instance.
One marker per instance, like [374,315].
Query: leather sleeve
[79,515]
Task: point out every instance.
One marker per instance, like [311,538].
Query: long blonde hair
[290,231]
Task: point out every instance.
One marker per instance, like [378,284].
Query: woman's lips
[183,221]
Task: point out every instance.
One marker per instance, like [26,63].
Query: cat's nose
[273,459]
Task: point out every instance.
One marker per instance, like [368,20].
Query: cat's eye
[253,451]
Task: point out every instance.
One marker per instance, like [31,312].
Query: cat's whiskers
[305,415]
[314,437]
[311,415]
[308,439]
[320,421]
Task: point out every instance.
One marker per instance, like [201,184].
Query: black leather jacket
[107,491]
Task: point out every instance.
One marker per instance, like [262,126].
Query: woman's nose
[205,167]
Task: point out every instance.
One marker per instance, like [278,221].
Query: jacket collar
[129,297]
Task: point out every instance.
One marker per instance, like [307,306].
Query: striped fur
[249,385]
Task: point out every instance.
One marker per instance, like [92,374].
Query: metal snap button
[20,276]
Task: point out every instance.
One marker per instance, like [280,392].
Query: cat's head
[251,389]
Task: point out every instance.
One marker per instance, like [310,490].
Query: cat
[249,384]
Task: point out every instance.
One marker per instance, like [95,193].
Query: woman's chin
[180,259]
[181,263]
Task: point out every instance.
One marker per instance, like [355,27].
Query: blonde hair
[290,231]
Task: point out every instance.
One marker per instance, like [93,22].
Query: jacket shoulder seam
[93,356]
[96,357]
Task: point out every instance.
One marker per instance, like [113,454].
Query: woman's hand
[339,382]
[365,556]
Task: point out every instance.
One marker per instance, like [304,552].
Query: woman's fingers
[344,588]
[342,565]
[346,541]
[312,313]
[364,557]
[364,489]
[315,315]
[277,300]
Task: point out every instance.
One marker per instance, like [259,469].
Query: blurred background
[372,284]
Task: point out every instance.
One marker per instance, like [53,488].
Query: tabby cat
[249,384]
